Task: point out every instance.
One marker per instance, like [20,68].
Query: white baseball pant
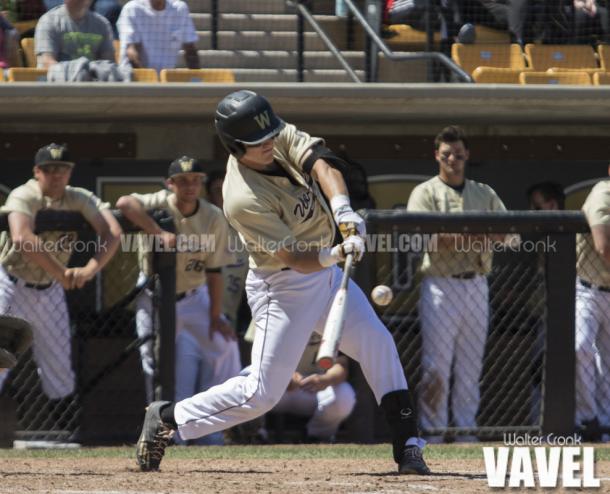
[592,354]
[201,361]
[327,408]
[286,307]
[46,310]
[454,315]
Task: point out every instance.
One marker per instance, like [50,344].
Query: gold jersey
[590,266]
[28,199]
[466,255]
[273,212]
[201,240]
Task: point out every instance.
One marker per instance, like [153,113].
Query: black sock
[167,415]
[400,414]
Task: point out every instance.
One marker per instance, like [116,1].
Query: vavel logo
[555,467]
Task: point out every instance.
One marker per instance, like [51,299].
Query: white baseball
[382,295]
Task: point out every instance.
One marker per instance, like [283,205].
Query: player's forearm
[336,374]
[330,179]
[191,57]
[133,210]
[133,55]
[601,241]
[46,60]
[215,291]
[109,243]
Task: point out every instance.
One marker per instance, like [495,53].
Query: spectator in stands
[9,45]
[575,21]
[110,9]
[71,31]
[546,196]
[153,31]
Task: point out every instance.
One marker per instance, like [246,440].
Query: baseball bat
[327,353]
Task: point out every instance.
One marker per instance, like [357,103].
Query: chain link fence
[489,350]
[82,380]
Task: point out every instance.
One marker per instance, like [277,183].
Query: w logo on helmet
[263,119]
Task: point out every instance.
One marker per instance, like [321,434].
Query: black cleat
[412,462]
[154,438]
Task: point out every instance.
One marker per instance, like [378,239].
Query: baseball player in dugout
[33,272]
[593,316]
[453,304]
[206,348]
[273,196]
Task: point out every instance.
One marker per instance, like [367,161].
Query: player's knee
[346,400]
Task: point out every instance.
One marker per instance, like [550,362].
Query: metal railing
[432,56]
[527,352]
[304,14]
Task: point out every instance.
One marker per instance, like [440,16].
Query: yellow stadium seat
[198,75]
[561,78]
[543,57]
[495,75]
[27,45]
[403,35]
[469,57]
[117,50]
[27,74]
[1,75]
[601,78]
[604,56]
[562,69]
[23,26]
[145,75]
[486,34]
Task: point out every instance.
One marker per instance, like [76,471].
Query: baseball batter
[453,306]
[206,347]
[33,272]
[593,311]
[272,198]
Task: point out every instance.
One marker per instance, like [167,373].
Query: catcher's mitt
[15,338]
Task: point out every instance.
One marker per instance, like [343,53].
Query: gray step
[259,40]
[275,59]
[241,6]
[259,22]
[290,75]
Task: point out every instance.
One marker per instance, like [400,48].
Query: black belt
[469,275]
[42,286]
[594,287]
[285,269]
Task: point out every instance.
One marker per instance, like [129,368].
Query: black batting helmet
[245,118]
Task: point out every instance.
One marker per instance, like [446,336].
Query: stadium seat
[23,26]
[198,75]
[1,75]
[604,56]
[543,57]
[486,34]
[561,78]
[564,69]
[27,45]
[145,75]
[403,35]
[117,50]
[469,57]
[495,75]
[27,74]
[601,78]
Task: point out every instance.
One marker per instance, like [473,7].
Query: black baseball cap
[53,154]
[185,165]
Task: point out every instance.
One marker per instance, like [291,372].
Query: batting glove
[349,222]
[353,244]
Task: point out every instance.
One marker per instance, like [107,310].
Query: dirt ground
[115,475]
